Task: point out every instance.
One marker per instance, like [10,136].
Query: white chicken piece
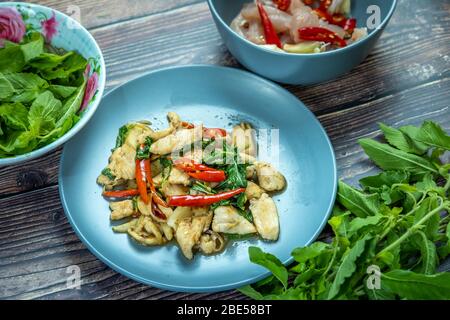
[211,242]
[121,209]
[188,234]
[228,220]
[122,163]
[269,178]
[265,217]
[151,228]
[253,191]
[178,215]
[177,140]
[176,176]
[280,19]
[244,139]
[167,230]
[169,189]
[205,212]
[136,135]
[250,172]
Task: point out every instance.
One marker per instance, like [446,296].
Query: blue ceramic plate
[218,97]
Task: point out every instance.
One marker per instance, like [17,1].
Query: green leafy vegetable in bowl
[389,237]
[42,90]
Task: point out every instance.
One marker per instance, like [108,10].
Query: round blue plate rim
[174,287]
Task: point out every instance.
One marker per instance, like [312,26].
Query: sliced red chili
[157,212]
[189,165]
[141,181]
[121,193]
[208,176]
[320,34]
[148,174]
[201,200]
[337,19]
[350,25]
[186,125]
[269,31]
[214,133]
[325,4]
[282,5]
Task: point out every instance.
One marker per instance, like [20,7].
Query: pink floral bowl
[17,19]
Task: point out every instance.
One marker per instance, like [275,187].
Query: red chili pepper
[269,31]
[325,4]
[207,132]
[214,132]
[189,165]
[282,5]
[186,125]
[141,181]
[201,200]
[121,193]
[157,212]
[350,25]
[320,34]
[337,19]
[208,176]
[148,175]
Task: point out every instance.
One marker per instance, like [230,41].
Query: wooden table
[405,80]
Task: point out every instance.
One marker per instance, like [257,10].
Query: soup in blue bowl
[326,59]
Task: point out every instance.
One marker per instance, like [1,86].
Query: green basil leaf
[347,267]
[62,92]
[43,114]
[415,286]
[14,115]
[48,61]
[11,59]
[71,106]
[357,202]
[402,141]
[385,178]
[389,158]
[270,262]
[433,135]
[312,251]
[249,291]
[71,64]
[427,252]
[27,86]
[34,47]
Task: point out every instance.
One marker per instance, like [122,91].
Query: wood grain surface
[405,80]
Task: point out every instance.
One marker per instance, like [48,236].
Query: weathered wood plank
[95,13]
[33,260]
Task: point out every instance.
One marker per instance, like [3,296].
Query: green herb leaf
[433,135]
[389,158]
[312,251]
[270,262]
[43,114]
[14,115]
[361,204]
[427,252]
[144,152]
[123,131]
[411,285]
[347,267]
[71,106]
[402,141]
[108,173]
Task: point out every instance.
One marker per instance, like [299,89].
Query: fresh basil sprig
[389,237]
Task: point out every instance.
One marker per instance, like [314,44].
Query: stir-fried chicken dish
[198,186]
[298,26]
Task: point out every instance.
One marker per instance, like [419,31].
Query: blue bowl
[300,69]
[71,36]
